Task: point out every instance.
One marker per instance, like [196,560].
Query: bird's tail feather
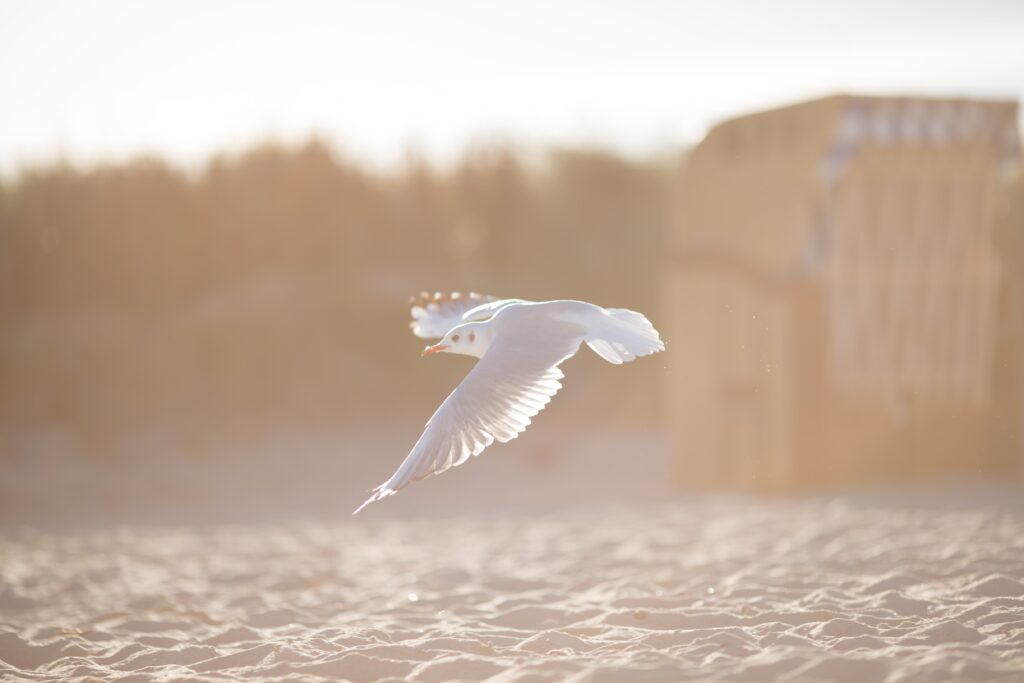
[623,335]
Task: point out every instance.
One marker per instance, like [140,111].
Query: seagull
[520,345]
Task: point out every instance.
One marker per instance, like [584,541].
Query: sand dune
[728,590]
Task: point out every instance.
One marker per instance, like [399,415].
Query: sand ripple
[707,591]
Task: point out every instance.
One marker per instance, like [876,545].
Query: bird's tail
[622,335]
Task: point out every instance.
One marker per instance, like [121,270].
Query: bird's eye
[455,337]
[472,336]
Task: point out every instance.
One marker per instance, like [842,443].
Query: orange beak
[436,348]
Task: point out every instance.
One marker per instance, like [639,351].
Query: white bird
[520,345]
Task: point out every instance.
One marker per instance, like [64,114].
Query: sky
[105,80]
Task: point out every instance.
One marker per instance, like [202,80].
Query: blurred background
[212,218]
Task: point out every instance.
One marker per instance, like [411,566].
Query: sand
[720,589]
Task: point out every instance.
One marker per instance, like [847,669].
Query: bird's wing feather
[488,310]
[513,382]
[434,314]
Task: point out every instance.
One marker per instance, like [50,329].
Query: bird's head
[469,339]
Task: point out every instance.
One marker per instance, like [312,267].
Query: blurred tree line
[272,286]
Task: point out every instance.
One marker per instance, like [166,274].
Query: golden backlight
[213,217]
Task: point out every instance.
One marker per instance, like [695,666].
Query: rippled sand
[716,590]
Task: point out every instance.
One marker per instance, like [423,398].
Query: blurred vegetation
[271,287]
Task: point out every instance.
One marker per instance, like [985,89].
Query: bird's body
[520,345]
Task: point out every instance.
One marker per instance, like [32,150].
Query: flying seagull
[520,345]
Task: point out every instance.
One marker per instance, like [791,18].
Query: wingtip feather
[378,493]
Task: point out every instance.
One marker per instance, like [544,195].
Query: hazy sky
[107,79]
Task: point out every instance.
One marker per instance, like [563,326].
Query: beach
[856,588]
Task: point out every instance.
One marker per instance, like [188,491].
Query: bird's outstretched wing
[434,314]
[513,382]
